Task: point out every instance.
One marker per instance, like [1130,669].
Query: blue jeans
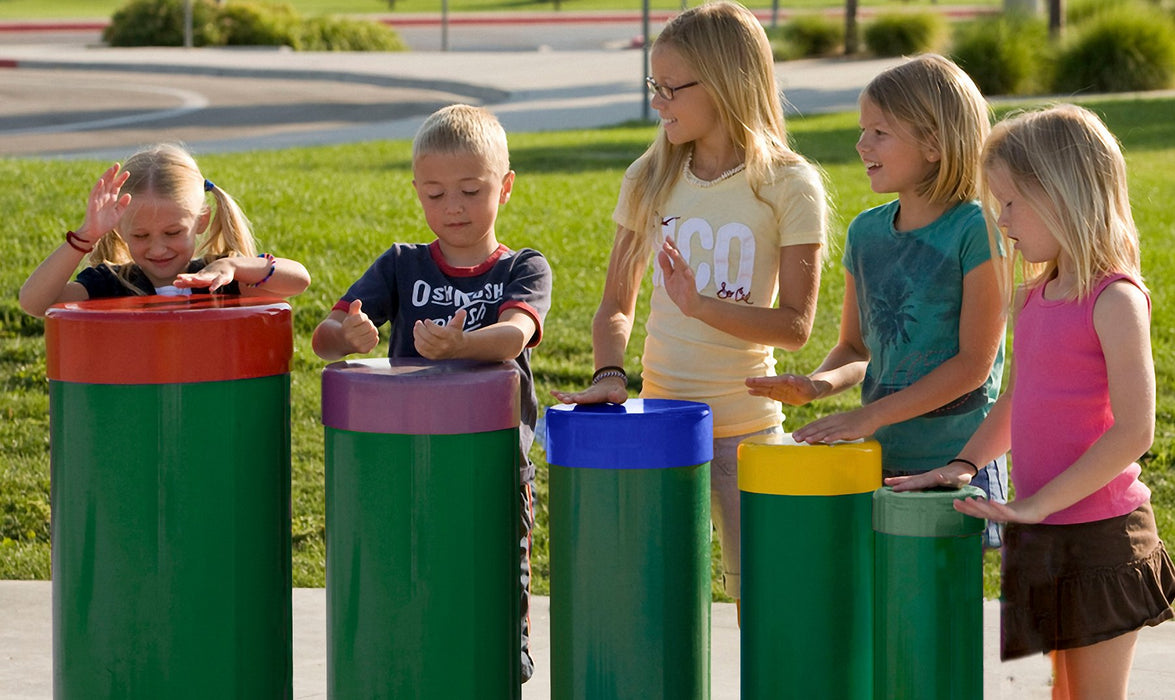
[993,479]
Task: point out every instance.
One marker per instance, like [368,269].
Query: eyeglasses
[664,91]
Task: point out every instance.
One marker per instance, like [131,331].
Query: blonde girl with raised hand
[922,322]
[1083,566]
[141,233]
[736,220]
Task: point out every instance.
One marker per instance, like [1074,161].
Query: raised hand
[105,206]
[680,283]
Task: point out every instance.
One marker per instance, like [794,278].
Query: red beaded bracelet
[73,240]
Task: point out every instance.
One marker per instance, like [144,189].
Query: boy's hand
[215,275]
[436,342]
[791,389]
[607,390]
[358,330]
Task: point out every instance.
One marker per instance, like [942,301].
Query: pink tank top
[1061,404]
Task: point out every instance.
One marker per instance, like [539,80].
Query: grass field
[334,208]
[56,9]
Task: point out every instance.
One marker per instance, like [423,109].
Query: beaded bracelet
[73,240]
[272,267]
[968,462]
[609,371]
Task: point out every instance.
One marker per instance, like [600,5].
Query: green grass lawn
[335,208]
[57,9]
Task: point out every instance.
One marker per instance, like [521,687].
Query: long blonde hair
[725,45]
[943,109]
[169,171]
[1069,168]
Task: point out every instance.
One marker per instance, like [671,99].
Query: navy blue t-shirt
[412,282]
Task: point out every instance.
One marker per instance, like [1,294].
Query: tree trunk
[851,46]
[1056,18]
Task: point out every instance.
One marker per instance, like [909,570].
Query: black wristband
[968,462]
[609,371]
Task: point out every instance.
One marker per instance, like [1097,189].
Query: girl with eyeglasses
[736,221]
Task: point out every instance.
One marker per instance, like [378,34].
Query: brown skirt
[1068,586]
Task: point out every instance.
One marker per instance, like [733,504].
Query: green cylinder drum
[629,503]
[807,568]
[422,529]
[170,490]
[929,596]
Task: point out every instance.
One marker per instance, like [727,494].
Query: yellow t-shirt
[731,241]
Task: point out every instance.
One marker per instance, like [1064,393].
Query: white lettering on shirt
[474,302]
[734,242]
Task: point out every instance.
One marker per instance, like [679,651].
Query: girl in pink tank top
[1083,566]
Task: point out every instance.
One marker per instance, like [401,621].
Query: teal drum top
[637,434]
[924,513]
[414,396]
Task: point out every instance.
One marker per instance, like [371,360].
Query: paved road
[68,97]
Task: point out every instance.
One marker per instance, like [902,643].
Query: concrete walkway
[26,662]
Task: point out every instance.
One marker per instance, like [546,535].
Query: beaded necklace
[699,182]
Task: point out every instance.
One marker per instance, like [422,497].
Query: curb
[481,92]
[499,18]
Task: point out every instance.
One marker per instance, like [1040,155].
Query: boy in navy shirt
[463,296]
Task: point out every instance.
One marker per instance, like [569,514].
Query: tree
[1056,18]
[850,27]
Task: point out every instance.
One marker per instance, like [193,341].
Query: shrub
[904,33]
[1121,50]
[1079,11]
[338,34]
[1005,55]
[161,23]
[249,24]
[812,35]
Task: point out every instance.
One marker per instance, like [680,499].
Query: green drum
[807,568]
[630,550]
[170,490]
[422,529]
[929,596]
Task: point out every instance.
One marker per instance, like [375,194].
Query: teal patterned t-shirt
[909,295]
